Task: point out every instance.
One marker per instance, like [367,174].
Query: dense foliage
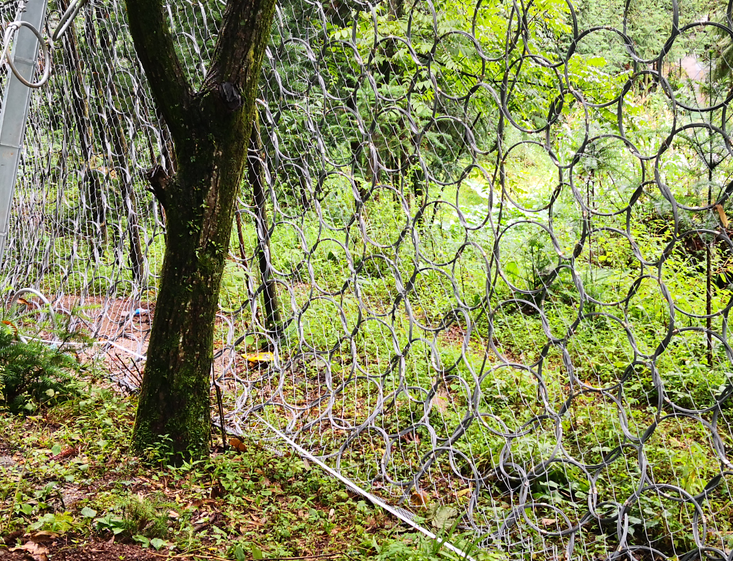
[32,374]
[500,240]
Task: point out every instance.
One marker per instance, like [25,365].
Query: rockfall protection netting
[481,266]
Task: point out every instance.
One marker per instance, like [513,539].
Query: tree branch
[154,45]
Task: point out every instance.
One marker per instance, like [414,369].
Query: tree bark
[210,130]
[256,177]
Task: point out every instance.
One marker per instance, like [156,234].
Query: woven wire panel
[498,244]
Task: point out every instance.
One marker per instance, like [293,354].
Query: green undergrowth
[33,375]
[67,469]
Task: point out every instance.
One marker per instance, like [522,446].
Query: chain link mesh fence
[481,265]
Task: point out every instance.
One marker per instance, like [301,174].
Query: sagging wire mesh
[481,264]
[86,232]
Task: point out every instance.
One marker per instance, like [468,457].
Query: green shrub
[33,374]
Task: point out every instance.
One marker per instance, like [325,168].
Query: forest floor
[71,489]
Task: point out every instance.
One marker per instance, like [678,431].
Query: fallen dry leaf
[12,325]
[256,358]
[722,215]
[35,550]
[42,537]
[67,452]
[441,401]
[420,497]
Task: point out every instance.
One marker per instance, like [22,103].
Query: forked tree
[210,129]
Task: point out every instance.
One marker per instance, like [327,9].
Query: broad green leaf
[444,517]
[142,540]
[26,508]
[87,512]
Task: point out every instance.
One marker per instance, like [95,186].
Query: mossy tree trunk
[211,131]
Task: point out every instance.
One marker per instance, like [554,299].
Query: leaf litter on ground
[70,490]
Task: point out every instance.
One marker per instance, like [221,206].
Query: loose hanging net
[481,265]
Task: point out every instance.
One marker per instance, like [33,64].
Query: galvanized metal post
[15,105]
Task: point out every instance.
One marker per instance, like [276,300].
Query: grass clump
[146,516]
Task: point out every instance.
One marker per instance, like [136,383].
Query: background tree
[210,128]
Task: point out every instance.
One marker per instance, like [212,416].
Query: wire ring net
[488,280]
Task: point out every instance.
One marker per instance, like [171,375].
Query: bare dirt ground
[119,329]
[60,549]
